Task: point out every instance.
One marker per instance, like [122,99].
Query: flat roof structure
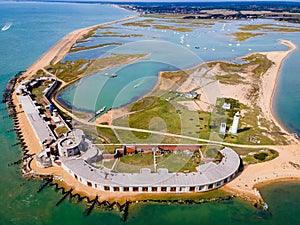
[209,173]
[39,125]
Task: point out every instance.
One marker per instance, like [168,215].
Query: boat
[101,110]
[110,75]
[138,84]
[6,26]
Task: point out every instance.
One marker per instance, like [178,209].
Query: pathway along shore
[286,166]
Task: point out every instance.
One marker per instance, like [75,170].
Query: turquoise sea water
[35,28]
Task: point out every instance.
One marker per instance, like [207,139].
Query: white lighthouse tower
[235,124]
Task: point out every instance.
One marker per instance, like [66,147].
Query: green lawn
[108,135]
[38,93]
[155,114]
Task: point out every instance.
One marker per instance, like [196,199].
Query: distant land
[280,10]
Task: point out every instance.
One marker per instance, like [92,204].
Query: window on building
[210,186]
[106,188]
[192,189]
[173,189]
[116,189]
[126,189]
[89,184]
[200,188]
[154,189]
[135,189]
[163,189]
[145,189]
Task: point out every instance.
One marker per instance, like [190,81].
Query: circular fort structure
[207,177]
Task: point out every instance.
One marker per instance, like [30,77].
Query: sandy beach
[285,167]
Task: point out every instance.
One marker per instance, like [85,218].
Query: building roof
[38,124]
[207,173]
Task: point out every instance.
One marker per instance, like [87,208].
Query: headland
[285,166]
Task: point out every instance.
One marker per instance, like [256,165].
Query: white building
[222,128]
[226,106]
[235,124]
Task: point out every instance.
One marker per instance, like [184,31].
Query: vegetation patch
[38,94]
[231,79]
[107,135]
[70,71]
[262,62]
[174,28]
[136,24]
[243,36]
[114,60]
[61,130]
[260,156]
[82,48]
[269,27]
[160,113]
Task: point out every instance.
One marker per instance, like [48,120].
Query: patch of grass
[82,48]
[107,135]
[178,162]
[159,113]
[68,71]
[124,35]
[254,27]
[262,62]
[136,24]
[232,79]
[111,61]
[243,36]
[260,156]
[140,159]
[61,130]
[38,94]
[108,164]
[174,28]
[39,73]
[269,27]
[109,33]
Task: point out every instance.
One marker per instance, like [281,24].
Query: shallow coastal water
[29,36]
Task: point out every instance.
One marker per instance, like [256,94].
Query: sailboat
[6,26]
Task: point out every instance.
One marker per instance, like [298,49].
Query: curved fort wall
[209,176]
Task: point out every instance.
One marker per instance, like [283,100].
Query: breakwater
[123,209]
